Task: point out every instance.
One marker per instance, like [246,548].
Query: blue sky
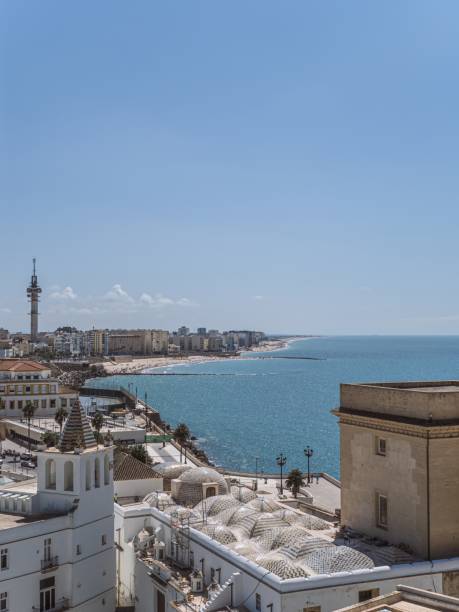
[291,166]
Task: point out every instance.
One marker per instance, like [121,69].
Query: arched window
[50,474]
[106,470]
[88,475]
[97,473]
[68,476]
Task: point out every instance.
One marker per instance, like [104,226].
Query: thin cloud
[66,294]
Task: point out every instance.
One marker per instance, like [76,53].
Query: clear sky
[287,166]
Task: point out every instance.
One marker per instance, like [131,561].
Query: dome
[290,535]
[243,493]
[190,487]
[304,546]
[287,515]
[182,513]
[312,522]
[332,559]
[171,470]
[282,567]
[216,504]
[266,521]
[263,505]
[203,475]
[220,533]
[246,549]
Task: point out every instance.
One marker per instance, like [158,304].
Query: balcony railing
[60,606]
[49,564]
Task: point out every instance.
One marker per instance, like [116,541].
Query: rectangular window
[381,446]
[4,559]
[368,594]
[19,404]
[258,601]
[12,404]
[27,389]
[381,510]
[104,539]
[52,403]
[3,602]
[78,549]
[43,404]
[47,549]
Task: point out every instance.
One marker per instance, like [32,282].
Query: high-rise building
[33,292]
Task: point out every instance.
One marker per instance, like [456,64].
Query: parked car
[28,464]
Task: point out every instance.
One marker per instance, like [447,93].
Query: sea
[245,412]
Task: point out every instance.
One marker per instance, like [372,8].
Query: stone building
[399,464]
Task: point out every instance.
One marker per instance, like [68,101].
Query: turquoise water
[243,409]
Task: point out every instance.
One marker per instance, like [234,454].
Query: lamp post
[281,460]
[256,472]
[308,452]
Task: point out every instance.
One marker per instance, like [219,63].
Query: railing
[60,605]
[49,564]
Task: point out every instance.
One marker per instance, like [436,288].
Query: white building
[22,381]
[56,533]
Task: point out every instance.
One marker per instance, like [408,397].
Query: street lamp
[308,452]
[256,473]
[281,460]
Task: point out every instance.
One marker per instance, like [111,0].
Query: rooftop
[21,365]
[420,402]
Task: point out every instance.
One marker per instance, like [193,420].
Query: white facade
[60,551]
[253,586]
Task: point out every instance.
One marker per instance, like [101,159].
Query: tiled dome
[171,470]
[243,494]
[263,505]
[312,522]
[332,559]
[188,487]
[282,567]
[220,533]
[216,504]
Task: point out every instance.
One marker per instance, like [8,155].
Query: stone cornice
[398,426]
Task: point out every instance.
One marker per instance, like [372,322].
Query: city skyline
[292,170]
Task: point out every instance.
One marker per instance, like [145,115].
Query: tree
[28,411]
[138,451]
[97,423]
[182,435]
[295,481]
[60,416]
[50,438]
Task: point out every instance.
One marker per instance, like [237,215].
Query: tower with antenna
[33,292]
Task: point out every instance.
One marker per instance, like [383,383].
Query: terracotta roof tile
[21,365]
[128,467]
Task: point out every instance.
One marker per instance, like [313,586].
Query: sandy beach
[141,364]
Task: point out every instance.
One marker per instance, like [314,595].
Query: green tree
[97,423]
[28,411]
[295,481]
[182,435]
[50,438]
[60,416]
[139,452]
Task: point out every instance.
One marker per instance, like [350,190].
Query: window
[97,472]
[106,470]
[27,389]
[19,404]
[50,474]
[381,510]
[104,540]
[4,559]
[47,594]
[78,549]
[381,446]
[88,475]
[3,602]
[68,476]
[52,403]
[258,601]
[47,549]
[368,594]
[43,404]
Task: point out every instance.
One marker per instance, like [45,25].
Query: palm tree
[182,435]
[28,411]
[295,481]
[59,417]
[97,423]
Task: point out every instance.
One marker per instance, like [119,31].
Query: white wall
[137,488]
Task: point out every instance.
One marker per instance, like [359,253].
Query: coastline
[153,363]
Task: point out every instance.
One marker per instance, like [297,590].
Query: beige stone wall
[444,497]
[405,402]
[400,475]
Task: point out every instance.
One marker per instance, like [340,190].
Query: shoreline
[154,363]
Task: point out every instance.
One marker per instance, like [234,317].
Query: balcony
[60,606]
[49,564]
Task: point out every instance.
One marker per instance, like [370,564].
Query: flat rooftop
[427,402]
